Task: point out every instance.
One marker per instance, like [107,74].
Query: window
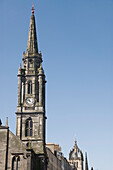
[16,163]
[30,63]
[30,87]
[28,127]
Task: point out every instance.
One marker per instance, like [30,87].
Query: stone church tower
[30,123]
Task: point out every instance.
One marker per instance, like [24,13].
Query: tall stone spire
[86,162]
[32,46]
[31,97]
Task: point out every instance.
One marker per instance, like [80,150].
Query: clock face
[30,101]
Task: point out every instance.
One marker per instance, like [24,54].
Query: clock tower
[30,123]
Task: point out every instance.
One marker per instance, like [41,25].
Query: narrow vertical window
[14,163]
[37,91]
[28,127]
[29,87]
[18,163]
[31,125]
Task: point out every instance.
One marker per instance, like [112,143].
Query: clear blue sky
[76,40]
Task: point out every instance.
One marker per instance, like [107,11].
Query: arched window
[14,163]
[30,87]
[28,127]
[18,163]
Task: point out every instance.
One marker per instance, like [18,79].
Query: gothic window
[30,87]
[30,63]
[18,163]
[28,127]
[14,163]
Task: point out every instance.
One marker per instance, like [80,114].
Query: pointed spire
[6,121]
[41,71]
[86,162]
[0,122]
[20,67]
[32,46]
[19,70]
[75,146]
[75,141]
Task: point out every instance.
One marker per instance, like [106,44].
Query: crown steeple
[32,45]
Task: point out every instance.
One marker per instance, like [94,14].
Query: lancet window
[30,87]
[16,163]
[28,127]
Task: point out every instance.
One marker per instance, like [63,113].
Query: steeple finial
[32,45]
[32,9]
[86,162]
[75,141]
[75,146]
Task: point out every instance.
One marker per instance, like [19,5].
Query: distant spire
[32,46]
[86,162]
[75,143]
[0,122]
[6,121]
